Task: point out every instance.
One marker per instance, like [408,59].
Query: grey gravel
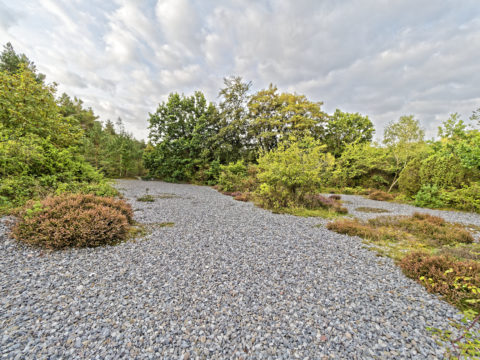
[228,280]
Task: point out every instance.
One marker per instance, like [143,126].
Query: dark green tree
[346,128]
[181,133]
[12,62]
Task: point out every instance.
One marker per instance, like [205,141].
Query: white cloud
[381,58]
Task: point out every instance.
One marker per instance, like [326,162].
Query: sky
[381,58]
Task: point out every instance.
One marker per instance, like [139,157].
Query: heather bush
[380,195]
[457,281]
[73,220]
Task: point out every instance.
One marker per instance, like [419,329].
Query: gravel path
[228,280]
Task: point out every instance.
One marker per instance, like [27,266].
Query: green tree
[273,117]
[12,62]
[404,139]
[74,108]
[296,168]
[346,128]
[181,133]
[232,141]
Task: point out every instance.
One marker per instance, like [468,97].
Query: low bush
[335,197]
[355,228]
[380,195]
[317,201]
[429,196]
[231,176]
[421,229]
[467,198]
[73,221]
[457,281]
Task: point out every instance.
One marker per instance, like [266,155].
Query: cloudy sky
[382,58]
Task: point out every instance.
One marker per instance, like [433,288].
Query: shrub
[73,221]
[335,197]
[355,228]
[380,195]
[316,201]
[291,171]
[231,176]
[466,198]
[429,196]
[457,281]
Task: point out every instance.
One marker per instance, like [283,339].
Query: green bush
[295,169]
[429,196]
[232,176]
[409,181]
[466,198]
[73,221]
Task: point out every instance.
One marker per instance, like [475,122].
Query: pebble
[228,280]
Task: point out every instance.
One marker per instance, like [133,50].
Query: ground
[227,280]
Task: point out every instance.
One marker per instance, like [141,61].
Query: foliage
[457,281]
[395,234]
[358,165]
[404,140]
[181,132]
[274,117]
[232,141]
[380,195]
[231,176]
[73,221]
[429,196]
[466,198]
[11,62]
[346,128]
[296,168]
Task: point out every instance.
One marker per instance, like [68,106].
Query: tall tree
[181,133]
[404,138]
[346,128]
[12,62]
[273,117]
[231,142]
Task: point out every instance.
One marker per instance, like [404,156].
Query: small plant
[366,209]
[73,221]
[146,198]
[335,197]
[380,195]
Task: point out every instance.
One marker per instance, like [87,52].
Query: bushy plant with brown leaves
[380,195]
[456,280]
[73,221]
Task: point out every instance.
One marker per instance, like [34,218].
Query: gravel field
[228,280]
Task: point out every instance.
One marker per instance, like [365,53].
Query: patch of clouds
[381,58]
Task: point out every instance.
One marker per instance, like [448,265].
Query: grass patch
[160,224]
[323,213]
[367,209]
[397,235]
[146,198]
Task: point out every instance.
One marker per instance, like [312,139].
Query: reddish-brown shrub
[380,195]
[73,221]
[354,228]
[455,280]
[242,197]
[335,197]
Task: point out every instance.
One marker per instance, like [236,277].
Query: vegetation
[441,256]
[73,221]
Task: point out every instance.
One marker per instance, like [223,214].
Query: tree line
[278,145]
